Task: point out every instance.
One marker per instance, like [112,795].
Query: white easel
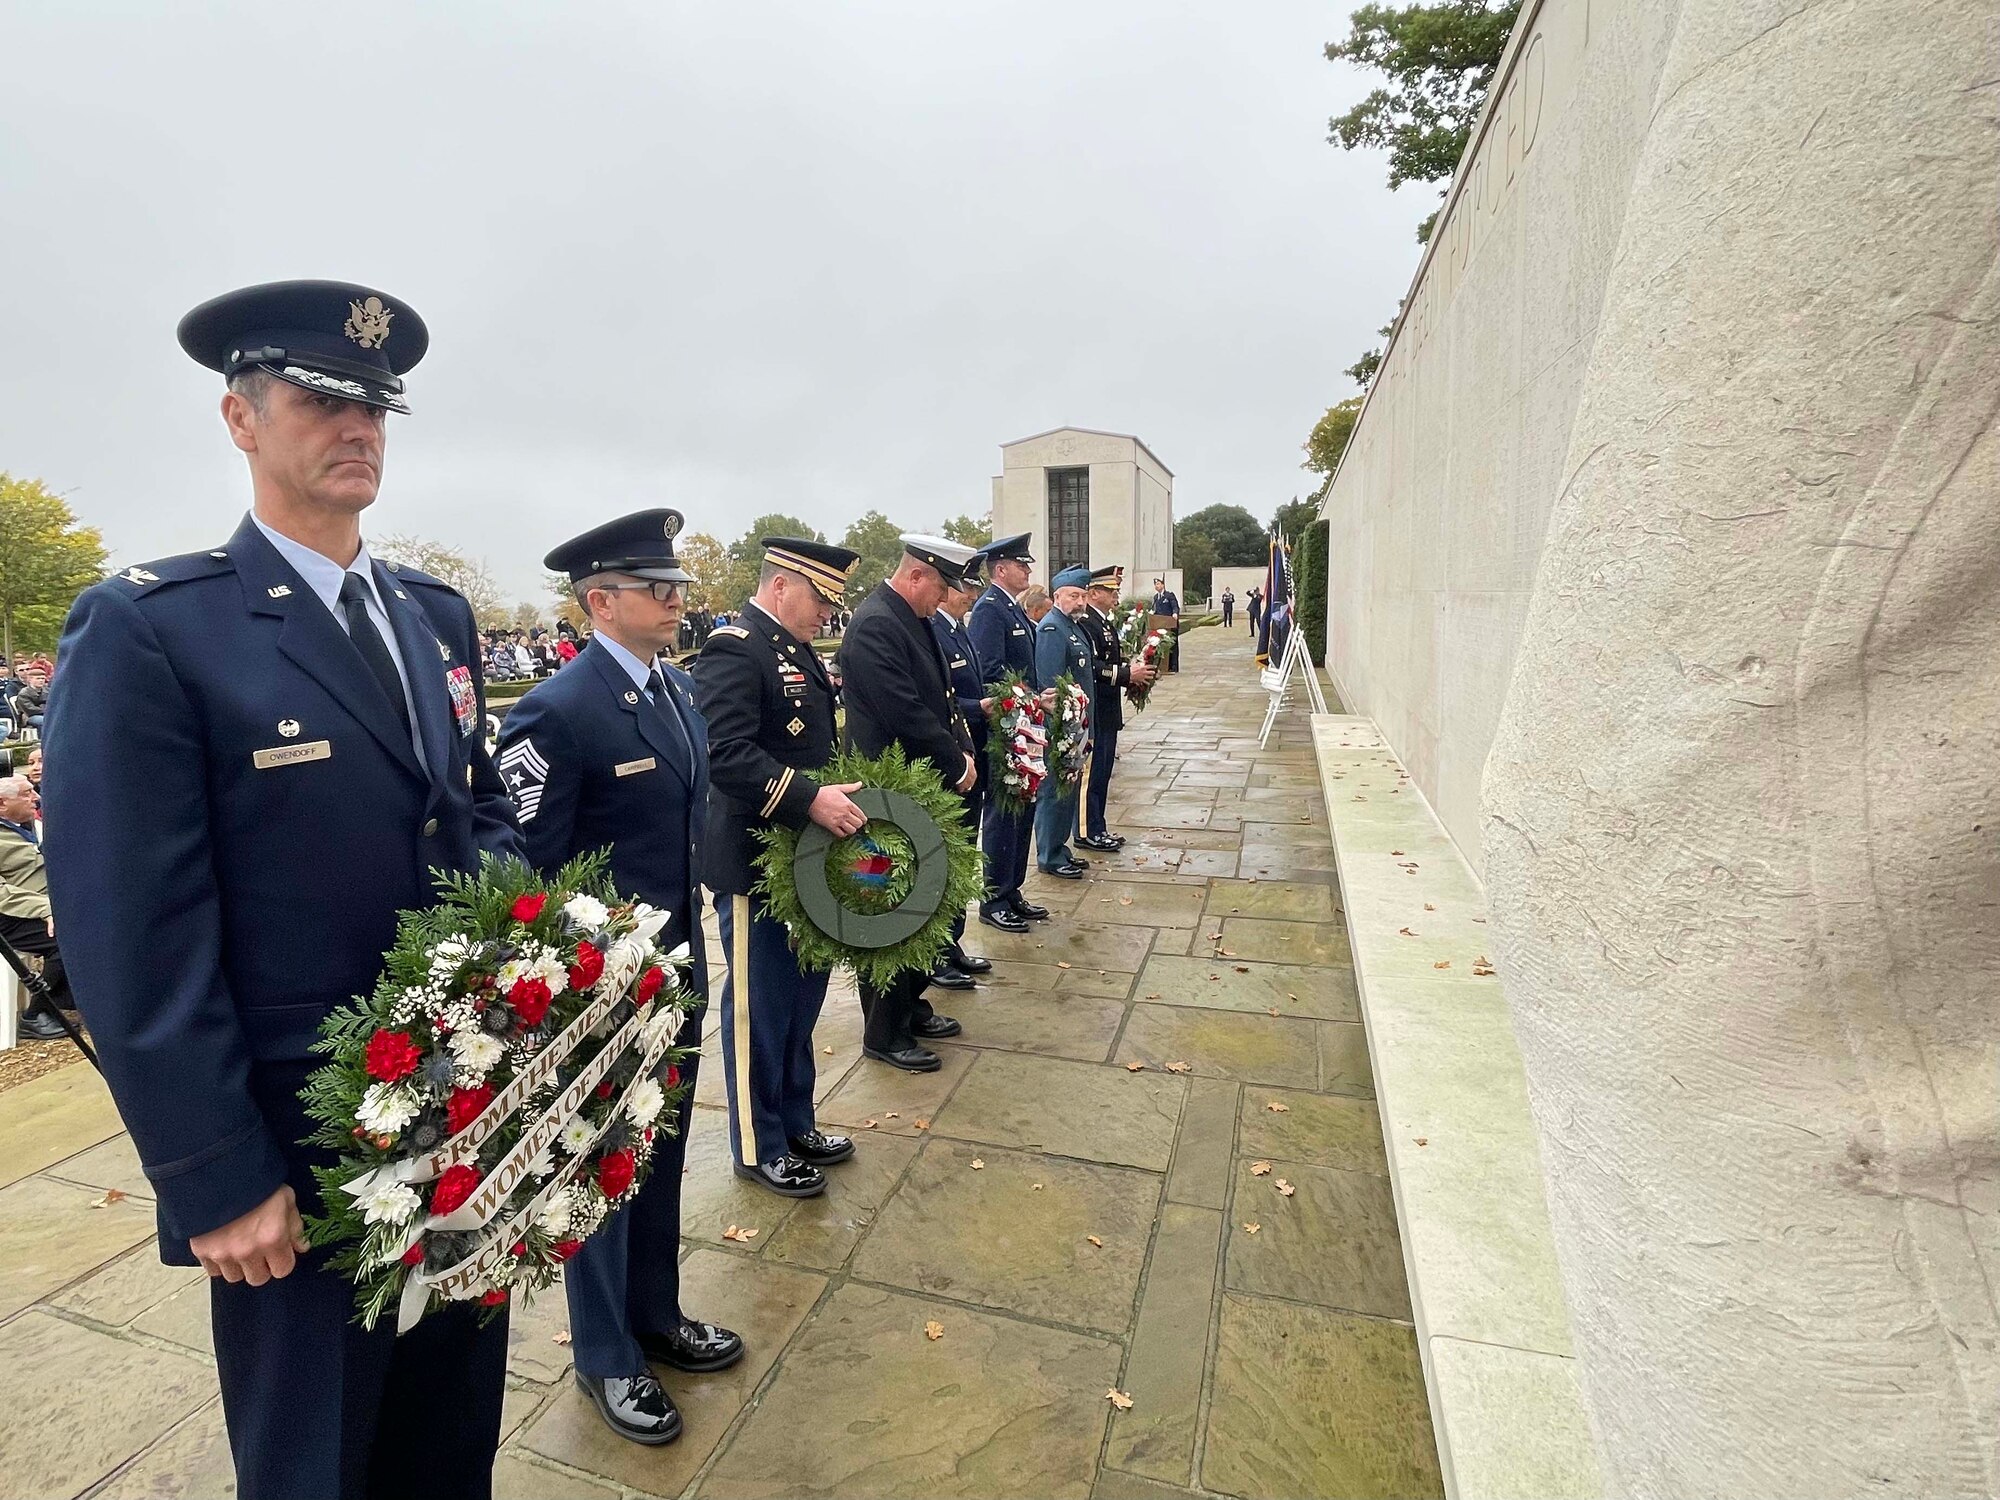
[1294,660]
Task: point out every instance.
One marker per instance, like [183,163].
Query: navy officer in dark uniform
[955,967]
[1004,638]
[612,752]
[770,710]
[1061,650]
[227,867]
[898,693]
[1107,709]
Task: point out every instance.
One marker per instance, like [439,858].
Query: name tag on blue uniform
[634,767]
[288,755]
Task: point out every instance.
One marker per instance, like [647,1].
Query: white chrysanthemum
[644,1103]
[553,1219]
[390,1203]
[553,972]
[476,1053]
[587,912]
[386,1108]
[577,1135]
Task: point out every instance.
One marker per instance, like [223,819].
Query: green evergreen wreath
[885,872]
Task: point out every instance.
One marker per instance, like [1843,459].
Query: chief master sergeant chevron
[266,750]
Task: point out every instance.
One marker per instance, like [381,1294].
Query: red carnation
[673,1075]
[564,1249]
[520,1249]
[530,998]
[529,907]
[391,1055]
[464,1106]
[414,1256]
[614,1173]
[493,1298]
[588,968]
[457,1185]
[604,1089]
[650,982]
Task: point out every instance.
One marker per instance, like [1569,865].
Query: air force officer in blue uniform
[1004,638]
[611,752]
[266,749]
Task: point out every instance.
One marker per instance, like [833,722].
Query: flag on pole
[1277,595]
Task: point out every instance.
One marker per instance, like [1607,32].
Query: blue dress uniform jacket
[1003,635]
[592,763]
[239,818]
[1060,648]
[755,682]
[964,666]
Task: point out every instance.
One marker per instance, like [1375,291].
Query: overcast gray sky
[814,258]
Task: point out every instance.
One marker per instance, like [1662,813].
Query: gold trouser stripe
[777,794]
[739,1002]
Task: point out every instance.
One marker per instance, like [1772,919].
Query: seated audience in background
[32,769]
[32,701]
[24,904]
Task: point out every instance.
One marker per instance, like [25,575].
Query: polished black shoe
[44,1027]
[1028,911]
[786,1176]
[697,1348]
[636,1407]
[1065,872]
[934,1026]
[821,1149]
[946,978]
[967,963]
[911,1059]
[1102,841]
[1004,919]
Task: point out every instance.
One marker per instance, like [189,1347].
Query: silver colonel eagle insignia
[368,323]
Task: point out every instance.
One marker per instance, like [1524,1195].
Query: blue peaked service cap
[335,338]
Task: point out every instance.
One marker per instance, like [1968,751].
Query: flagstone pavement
[1151,1165]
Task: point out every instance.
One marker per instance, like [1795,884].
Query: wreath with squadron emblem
[880,901]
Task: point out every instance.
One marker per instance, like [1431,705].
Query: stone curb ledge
[1491,1324]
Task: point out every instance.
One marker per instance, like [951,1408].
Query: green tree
[563,605]
[468,574]
[879,540]
[1293,517]
[1440,59]
[1328,439]
[529,616]
[1216,536]
[1309,561]
[708,560]
[1195,557]
[969,531]
[46,560]
[737,581]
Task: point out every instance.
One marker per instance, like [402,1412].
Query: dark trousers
[769,1010]
[318,1406]
[888,1013]
[974,802]
[1228,615]
[1174,645]
[1103,752]
[626,1279]
[1004,836]
[30,935]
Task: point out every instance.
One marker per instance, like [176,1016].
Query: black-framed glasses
[665,591]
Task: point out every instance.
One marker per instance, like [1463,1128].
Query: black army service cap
[1008,549]
[821,564]
[333,337]
[641,544]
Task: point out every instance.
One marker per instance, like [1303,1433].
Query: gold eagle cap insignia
[368,323]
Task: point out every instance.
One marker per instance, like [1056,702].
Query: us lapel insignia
[282,591]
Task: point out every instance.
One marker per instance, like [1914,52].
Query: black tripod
[38,989]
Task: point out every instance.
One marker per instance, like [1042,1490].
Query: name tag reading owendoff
[634,767]
[285,755]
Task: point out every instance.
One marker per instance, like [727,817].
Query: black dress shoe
[933,1026]
[786,1176]
[697,1348]
[1004,919]
[1028,911]
[44,1027]
[821,1149]
[967,963]
[636,1407]
[911,1059]
[1102,841]
[1070,871]
[946,978]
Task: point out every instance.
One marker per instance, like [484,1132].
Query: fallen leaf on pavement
[1423,1140]
[1062,963]
[1118,1399]
[1095,1241]
[1429,907]
[867,1124]
[892,1115]
[1178,1067]
[827,1050]
[1260,1169]
[1274,1010]
[560,1336]
[1405,932]
[1243,968]
[1153,996]
[111,1196]
[1395,853]
[1443,963]
[933,1330]
[742,1236]
[1252,1228]
[922,1124]
[978,1164]
[1278,1109]
[1036,1186]
[1124,900]
[1285,1187]
[1135,1067]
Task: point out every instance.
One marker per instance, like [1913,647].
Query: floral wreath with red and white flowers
[500,1093]
[1017,743]
[1069,730]
[1148,655]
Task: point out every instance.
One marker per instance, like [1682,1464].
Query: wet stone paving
[1151,1165]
